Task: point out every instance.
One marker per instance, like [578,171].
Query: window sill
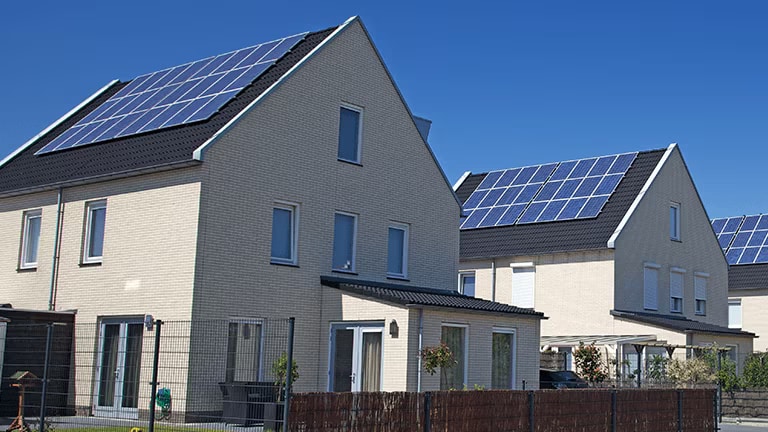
[90,264]
[676,240]
[350,162]
[349,272]
[26,269]
[284,264]
[676,312]
[701,314]
[399,278]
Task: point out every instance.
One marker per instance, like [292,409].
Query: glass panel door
[342,360]
[356,357]
[119,369]
[370,367]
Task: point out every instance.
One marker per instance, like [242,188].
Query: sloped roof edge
[678,323]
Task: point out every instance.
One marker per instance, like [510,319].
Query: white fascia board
[57,122]
[199,153]
[639,197]
[461,179]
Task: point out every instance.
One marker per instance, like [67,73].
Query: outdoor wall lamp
[394,330]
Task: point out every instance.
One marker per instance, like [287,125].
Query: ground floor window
[244,348]
[119,368]
[455,377]
[503,361]
[356,353]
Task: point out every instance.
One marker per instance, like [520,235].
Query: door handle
[352,377]
[117,373]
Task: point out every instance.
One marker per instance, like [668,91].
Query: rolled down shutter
[651,288]
[701,287]
[523,285]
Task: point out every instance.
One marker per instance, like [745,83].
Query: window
[397,251]
[285,218]
[344,232]
[30,238]
[503,361]
[467,284]
[651,286]
[734,313]
[96,213]
[523,285]
[676,280]
[455,337]
[244,351]
[350,133]
[674,221]
[700,293]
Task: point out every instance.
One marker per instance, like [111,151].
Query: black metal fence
[127,373]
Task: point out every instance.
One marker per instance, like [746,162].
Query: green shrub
[756,370]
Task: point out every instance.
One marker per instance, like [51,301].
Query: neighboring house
[744,240]
[302,186]
[616,249]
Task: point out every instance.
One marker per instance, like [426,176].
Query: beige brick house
[615,249]
[309,192]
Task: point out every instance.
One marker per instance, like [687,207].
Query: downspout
[493,279]
[55,260]
[421,342]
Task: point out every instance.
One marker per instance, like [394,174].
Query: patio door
[356,357]
[118,369]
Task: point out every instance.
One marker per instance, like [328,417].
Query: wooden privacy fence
[588,410]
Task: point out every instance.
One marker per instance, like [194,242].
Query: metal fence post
[288,374]
[427,411]
[44,390]
[155,364]
[613,410]
[531,412]
[679,411]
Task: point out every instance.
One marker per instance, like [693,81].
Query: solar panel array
[544,193]
[744,239]
[183,94]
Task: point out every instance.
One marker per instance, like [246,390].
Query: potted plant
[273,411]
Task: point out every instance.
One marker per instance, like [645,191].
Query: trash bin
[243,401]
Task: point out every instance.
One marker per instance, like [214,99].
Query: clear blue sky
[506,84]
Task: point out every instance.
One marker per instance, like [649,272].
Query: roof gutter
[639,197]
[199,153]
[61,120]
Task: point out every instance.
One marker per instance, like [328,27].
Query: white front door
[119,369]
[356,357]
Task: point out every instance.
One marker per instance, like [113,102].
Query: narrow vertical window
[734,313]
[700,293]
[350,132]
[674,221]
[284,233]
[651,286]
[503,360]
[96,213]
[676,283]
[397,251]
[523,286]
[244,345]
[344,232]
[455,377]
[467,284]
[30,238]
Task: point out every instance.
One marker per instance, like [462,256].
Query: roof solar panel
[545,193]
[744,239]
[180,95]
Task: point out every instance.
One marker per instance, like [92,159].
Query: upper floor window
[651,286]
[674,221]
[30,238]
[734,313]
[285,218]
[344,233]
[523,286]
[676,283]
[467,283]
[700,292]
[95,218]
[350,133]
[397,250]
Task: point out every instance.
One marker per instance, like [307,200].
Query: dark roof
[410,295]
[747,277]
[559,236]
[677,323]
[170,147]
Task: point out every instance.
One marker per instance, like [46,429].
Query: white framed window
[734,313]
[93,243]
[523,286]
[344,240]
[455,336]
[700,292]
[651,286]
[674,221]
[285,230]
[244,350]
[467,283]
[676,284]
[350,133]
[397,250]
[30,238]
[503,367]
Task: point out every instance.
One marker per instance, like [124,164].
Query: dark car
[550,379]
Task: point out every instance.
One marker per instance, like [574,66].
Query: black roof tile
[677,323]
[162,148]
[747,277]
[558,236]
[409,295]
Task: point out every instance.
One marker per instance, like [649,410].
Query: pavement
[743,425]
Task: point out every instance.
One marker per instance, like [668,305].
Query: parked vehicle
[552,379]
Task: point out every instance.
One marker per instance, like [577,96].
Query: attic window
[350,133]
[674,221]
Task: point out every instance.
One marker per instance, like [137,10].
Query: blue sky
[505,85]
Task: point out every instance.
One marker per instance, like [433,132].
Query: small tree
[657,368]
[724,370]
[280,371]
[690,372]
[439,356]
[756,370]
[590,363]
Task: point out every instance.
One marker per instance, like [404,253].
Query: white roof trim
[639,197]
[199,153]
[460,181]
[57,122]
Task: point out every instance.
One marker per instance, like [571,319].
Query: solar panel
[180,95]
[545,193]
[744,239]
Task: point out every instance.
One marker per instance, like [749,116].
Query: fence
[741,404]
[123,373]
[651,410]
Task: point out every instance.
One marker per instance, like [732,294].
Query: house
[290,180]
[615,250]
[743,239]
